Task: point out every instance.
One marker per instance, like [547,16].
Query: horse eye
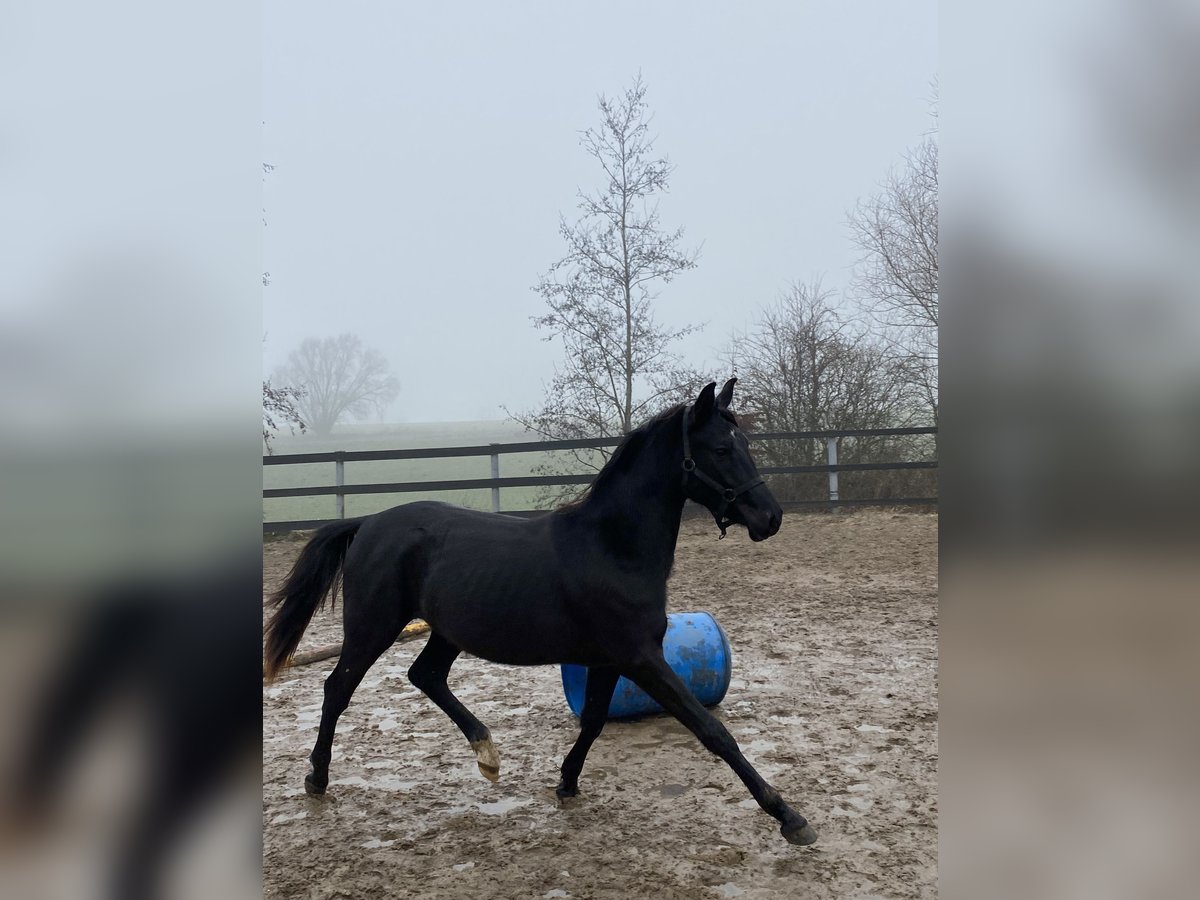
[722,451]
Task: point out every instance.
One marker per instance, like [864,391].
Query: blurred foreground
[1070,426]
[130,334]
[131,760]
[1070,418]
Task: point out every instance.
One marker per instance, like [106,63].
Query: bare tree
[340,378]
[279,408]
[806,367]
[618,367]
[897,278]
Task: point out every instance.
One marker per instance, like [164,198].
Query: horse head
[718,471]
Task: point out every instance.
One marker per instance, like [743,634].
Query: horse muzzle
[761,524]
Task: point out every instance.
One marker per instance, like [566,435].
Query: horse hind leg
[428,673]
[360,649]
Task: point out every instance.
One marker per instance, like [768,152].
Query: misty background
[418,161]
[133,141]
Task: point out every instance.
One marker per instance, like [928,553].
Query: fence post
[831,458]
[495,474]
[339,479]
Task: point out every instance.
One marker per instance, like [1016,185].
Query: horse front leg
[601,682]
[657,679]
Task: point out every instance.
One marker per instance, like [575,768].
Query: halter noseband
[727,494]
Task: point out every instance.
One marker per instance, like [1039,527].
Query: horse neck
[637,510]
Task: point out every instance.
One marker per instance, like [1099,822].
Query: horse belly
[510,614]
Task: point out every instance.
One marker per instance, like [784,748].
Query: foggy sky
[424,153]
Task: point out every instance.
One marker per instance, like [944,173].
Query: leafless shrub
[897,277]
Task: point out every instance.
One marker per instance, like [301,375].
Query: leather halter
[727,494]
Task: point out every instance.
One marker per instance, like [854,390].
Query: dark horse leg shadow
[148,645]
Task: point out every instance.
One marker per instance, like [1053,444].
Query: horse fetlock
[772,801]
[487,758]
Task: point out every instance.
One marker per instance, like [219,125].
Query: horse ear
[705,404]
[726,396]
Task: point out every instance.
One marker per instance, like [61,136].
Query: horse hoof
[487,758]
[312,787]
[801,837]
[564,793]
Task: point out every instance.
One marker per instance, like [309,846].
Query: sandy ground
[833,624]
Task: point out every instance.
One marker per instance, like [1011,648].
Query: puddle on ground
[293,817]
[789,720]
[385,782]
[673,790]
[308,719]
[500,807]
[376,843]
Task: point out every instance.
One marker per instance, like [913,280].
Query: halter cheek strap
[727,494]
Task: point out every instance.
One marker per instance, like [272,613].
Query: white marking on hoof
[488,758]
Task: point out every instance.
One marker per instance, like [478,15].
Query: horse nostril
[776,520]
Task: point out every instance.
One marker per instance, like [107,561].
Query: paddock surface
[833,624]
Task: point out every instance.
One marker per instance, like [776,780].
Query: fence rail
[339,489]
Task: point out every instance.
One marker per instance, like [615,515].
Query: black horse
[585,584]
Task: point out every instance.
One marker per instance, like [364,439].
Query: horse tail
[316,575]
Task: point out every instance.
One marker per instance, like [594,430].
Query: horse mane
[619,460]
[625,450]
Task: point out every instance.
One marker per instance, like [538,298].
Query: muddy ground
[833,624]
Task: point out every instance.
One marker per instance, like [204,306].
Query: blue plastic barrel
[694,646]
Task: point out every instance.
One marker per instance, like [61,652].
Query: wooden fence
[339,489]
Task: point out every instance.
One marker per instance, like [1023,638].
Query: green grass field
[396,437]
